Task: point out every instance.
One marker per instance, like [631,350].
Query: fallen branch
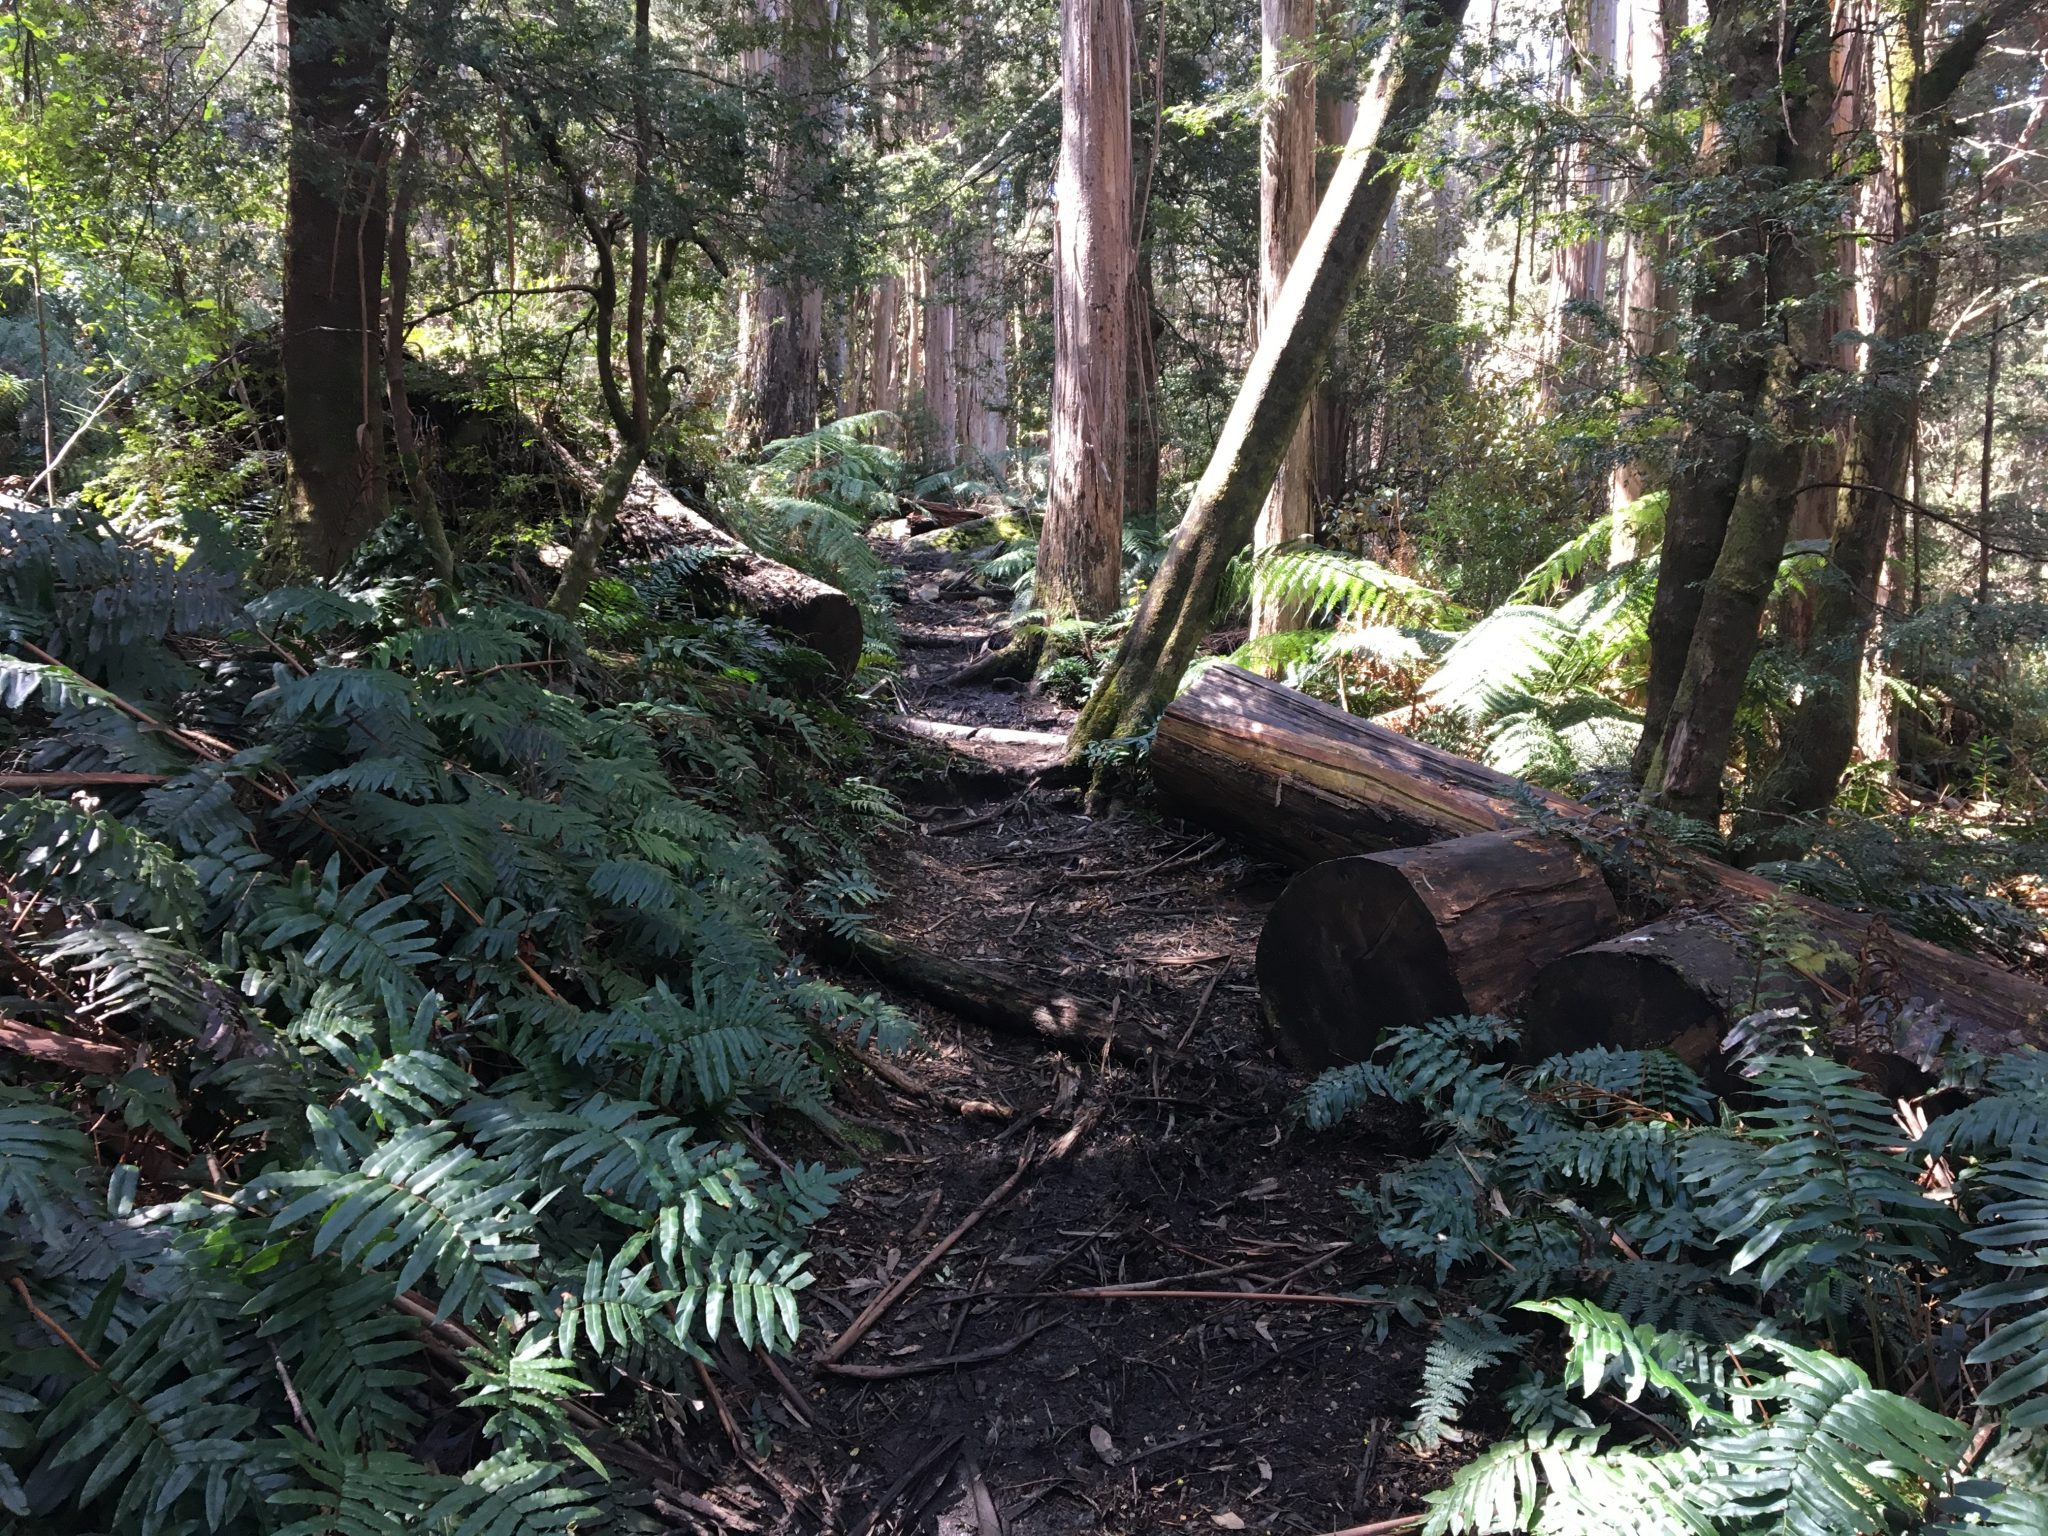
[859,1328]
[67,1051]
[36,781]
[937,1363]
[953,730]
[1268,1298]
[1382,1527]
[992,997]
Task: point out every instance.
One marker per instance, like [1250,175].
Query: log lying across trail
[1375,941]
[1307,782]
[653,521]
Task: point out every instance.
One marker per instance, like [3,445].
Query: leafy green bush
[449,965]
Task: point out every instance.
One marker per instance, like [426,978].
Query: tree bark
[1646,295]
[420,493]
[1178,604]
[783,332]
[1306,782]
[335,227]
[1578,268]
[1819,733]
[981,340]
[1287,206]
[1743,139]
[1080,555]
[1685,767]
[941,415]
[1355,947]
[1674,986]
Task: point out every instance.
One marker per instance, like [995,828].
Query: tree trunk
[994,998]
[783,328]
[1080,555]
[941,416]
[1330,412]
[1674,986]
[1646,296]
[1287,206]
[1178,604]
[1306,782]
[1743,139]
[650,521]
[420,493]
[1578,268]
[1141,441]
[884,392]
[1355,947]
[335,226]
[984,386]
[1684,771]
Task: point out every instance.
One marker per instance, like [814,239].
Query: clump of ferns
[1791,1314]
[446,966]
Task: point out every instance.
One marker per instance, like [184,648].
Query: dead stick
[67,1051]
[940,1362]
[858,1328]
[49,1322]
[1274,1298]
[75,780]
[1381,1527]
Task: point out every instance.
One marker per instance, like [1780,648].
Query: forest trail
[984,1400]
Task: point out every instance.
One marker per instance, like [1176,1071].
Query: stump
[1676,986]
[1356,946]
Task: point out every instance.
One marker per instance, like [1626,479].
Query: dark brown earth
[1010,1407]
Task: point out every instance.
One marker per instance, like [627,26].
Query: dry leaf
[1227,1521]
[1104,1446]
[1265,1470]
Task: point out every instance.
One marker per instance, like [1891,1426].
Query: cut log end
[1357,946]
[1676,985]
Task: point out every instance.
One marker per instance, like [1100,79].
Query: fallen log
[66,1051]
[654,521]
[1676,985]
[994,998]
[1307,782]
[1359,945]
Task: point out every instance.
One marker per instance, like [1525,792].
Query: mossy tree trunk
[1271,402]
[1819,733]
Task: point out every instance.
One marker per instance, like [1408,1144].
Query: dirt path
[987,1401]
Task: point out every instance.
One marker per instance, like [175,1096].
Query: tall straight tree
[782,328]
[1080,553]
[331,340]
[1287,206]
[1180,602]
[1644,295]
[1578,266]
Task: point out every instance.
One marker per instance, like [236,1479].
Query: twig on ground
[879,1307]
[938,1362]
[1267,1298]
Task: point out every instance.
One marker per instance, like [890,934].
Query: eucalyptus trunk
[1287,206]
[1080,550]
[1181,600]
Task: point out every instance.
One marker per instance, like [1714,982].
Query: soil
[1007,1406]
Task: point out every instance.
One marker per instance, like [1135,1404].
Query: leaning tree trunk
[1355,947]
[1685,768]
[1181,599]
[1080,552]
[334,274]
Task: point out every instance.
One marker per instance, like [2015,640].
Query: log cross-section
[1356,946]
